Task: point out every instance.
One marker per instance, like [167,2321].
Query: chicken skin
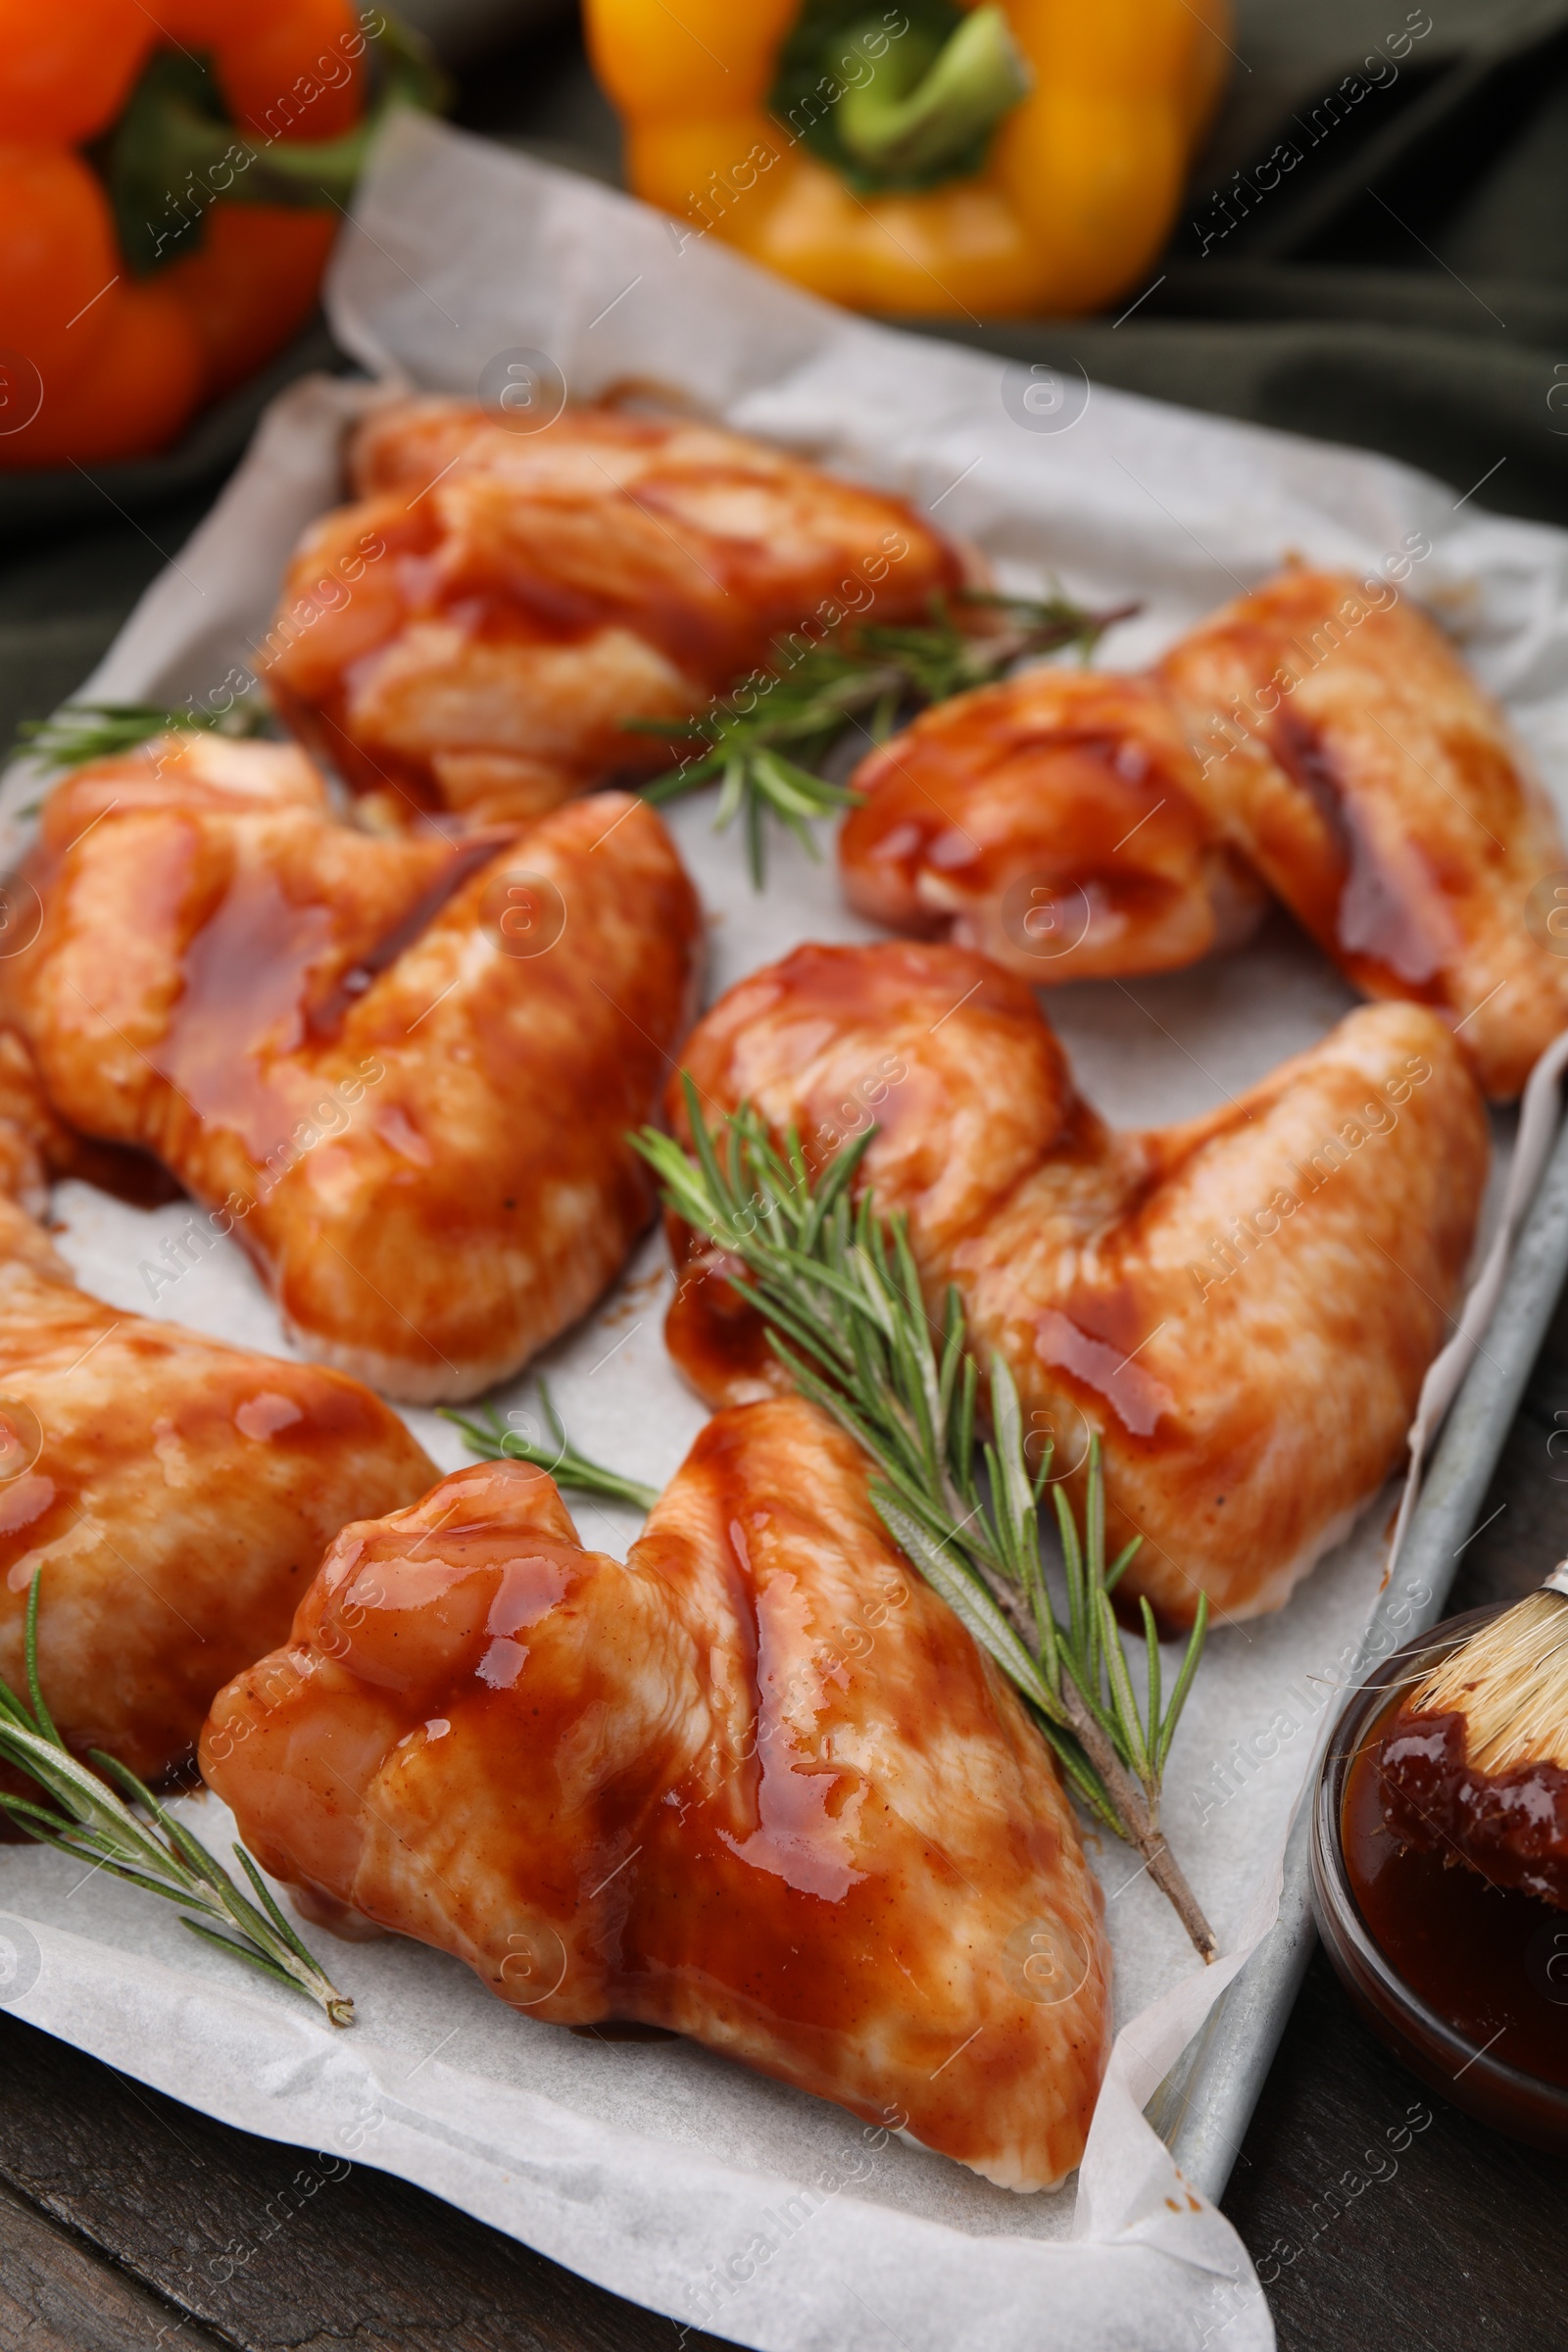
[1052,824]
[400,1073]
[176,1494]
[477,627]
[1320,737]
[1347,753]
[758,1785]
[1241,1306]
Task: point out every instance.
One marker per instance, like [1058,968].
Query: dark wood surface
[125,2219]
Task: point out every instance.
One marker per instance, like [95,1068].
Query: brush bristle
[1511,1684]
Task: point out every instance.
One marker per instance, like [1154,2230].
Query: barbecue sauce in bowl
[1492,1961]
[1465,1979]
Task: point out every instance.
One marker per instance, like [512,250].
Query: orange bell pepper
[929,156]
[143,382]
[188,246]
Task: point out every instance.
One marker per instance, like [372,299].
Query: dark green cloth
[1402,283]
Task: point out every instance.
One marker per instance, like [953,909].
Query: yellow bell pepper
[936,157]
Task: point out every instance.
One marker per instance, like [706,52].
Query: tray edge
[1204,2107]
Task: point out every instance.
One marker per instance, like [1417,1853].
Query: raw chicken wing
[758,1785]
[1345,750]
[1241,1306]
[400,1073]
[1052,822]
[475,630]
[175,1494]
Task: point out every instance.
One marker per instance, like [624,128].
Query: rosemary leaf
[81,731]
[493,1442]
[41,1716]
[148,1849]
[1184,1681]
[968,1599]
[1152,1677]
[767,738]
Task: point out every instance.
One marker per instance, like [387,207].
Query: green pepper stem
[975,77]
[171,154]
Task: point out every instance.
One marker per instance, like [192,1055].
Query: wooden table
[127,2220]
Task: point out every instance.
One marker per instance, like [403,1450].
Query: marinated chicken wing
[400,1073]
[1052,822]
[477,630]
[1321,737]
[1243,1307]
[758,1785]
[176,1494]
[1346,751]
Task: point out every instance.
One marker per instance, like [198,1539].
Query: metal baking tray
[1202,2108]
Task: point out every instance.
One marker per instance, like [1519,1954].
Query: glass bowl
[1460,2068]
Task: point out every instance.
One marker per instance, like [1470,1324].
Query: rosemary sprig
[493,1442]
[766,739]
[840,1294]
[157,1853]
[81,731]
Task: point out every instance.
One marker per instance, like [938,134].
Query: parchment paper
[657,2169]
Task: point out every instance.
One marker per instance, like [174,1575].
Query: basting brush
[1476,1762]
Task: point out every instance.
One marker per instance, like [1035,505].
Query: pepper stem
[174,152]
[918,113]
